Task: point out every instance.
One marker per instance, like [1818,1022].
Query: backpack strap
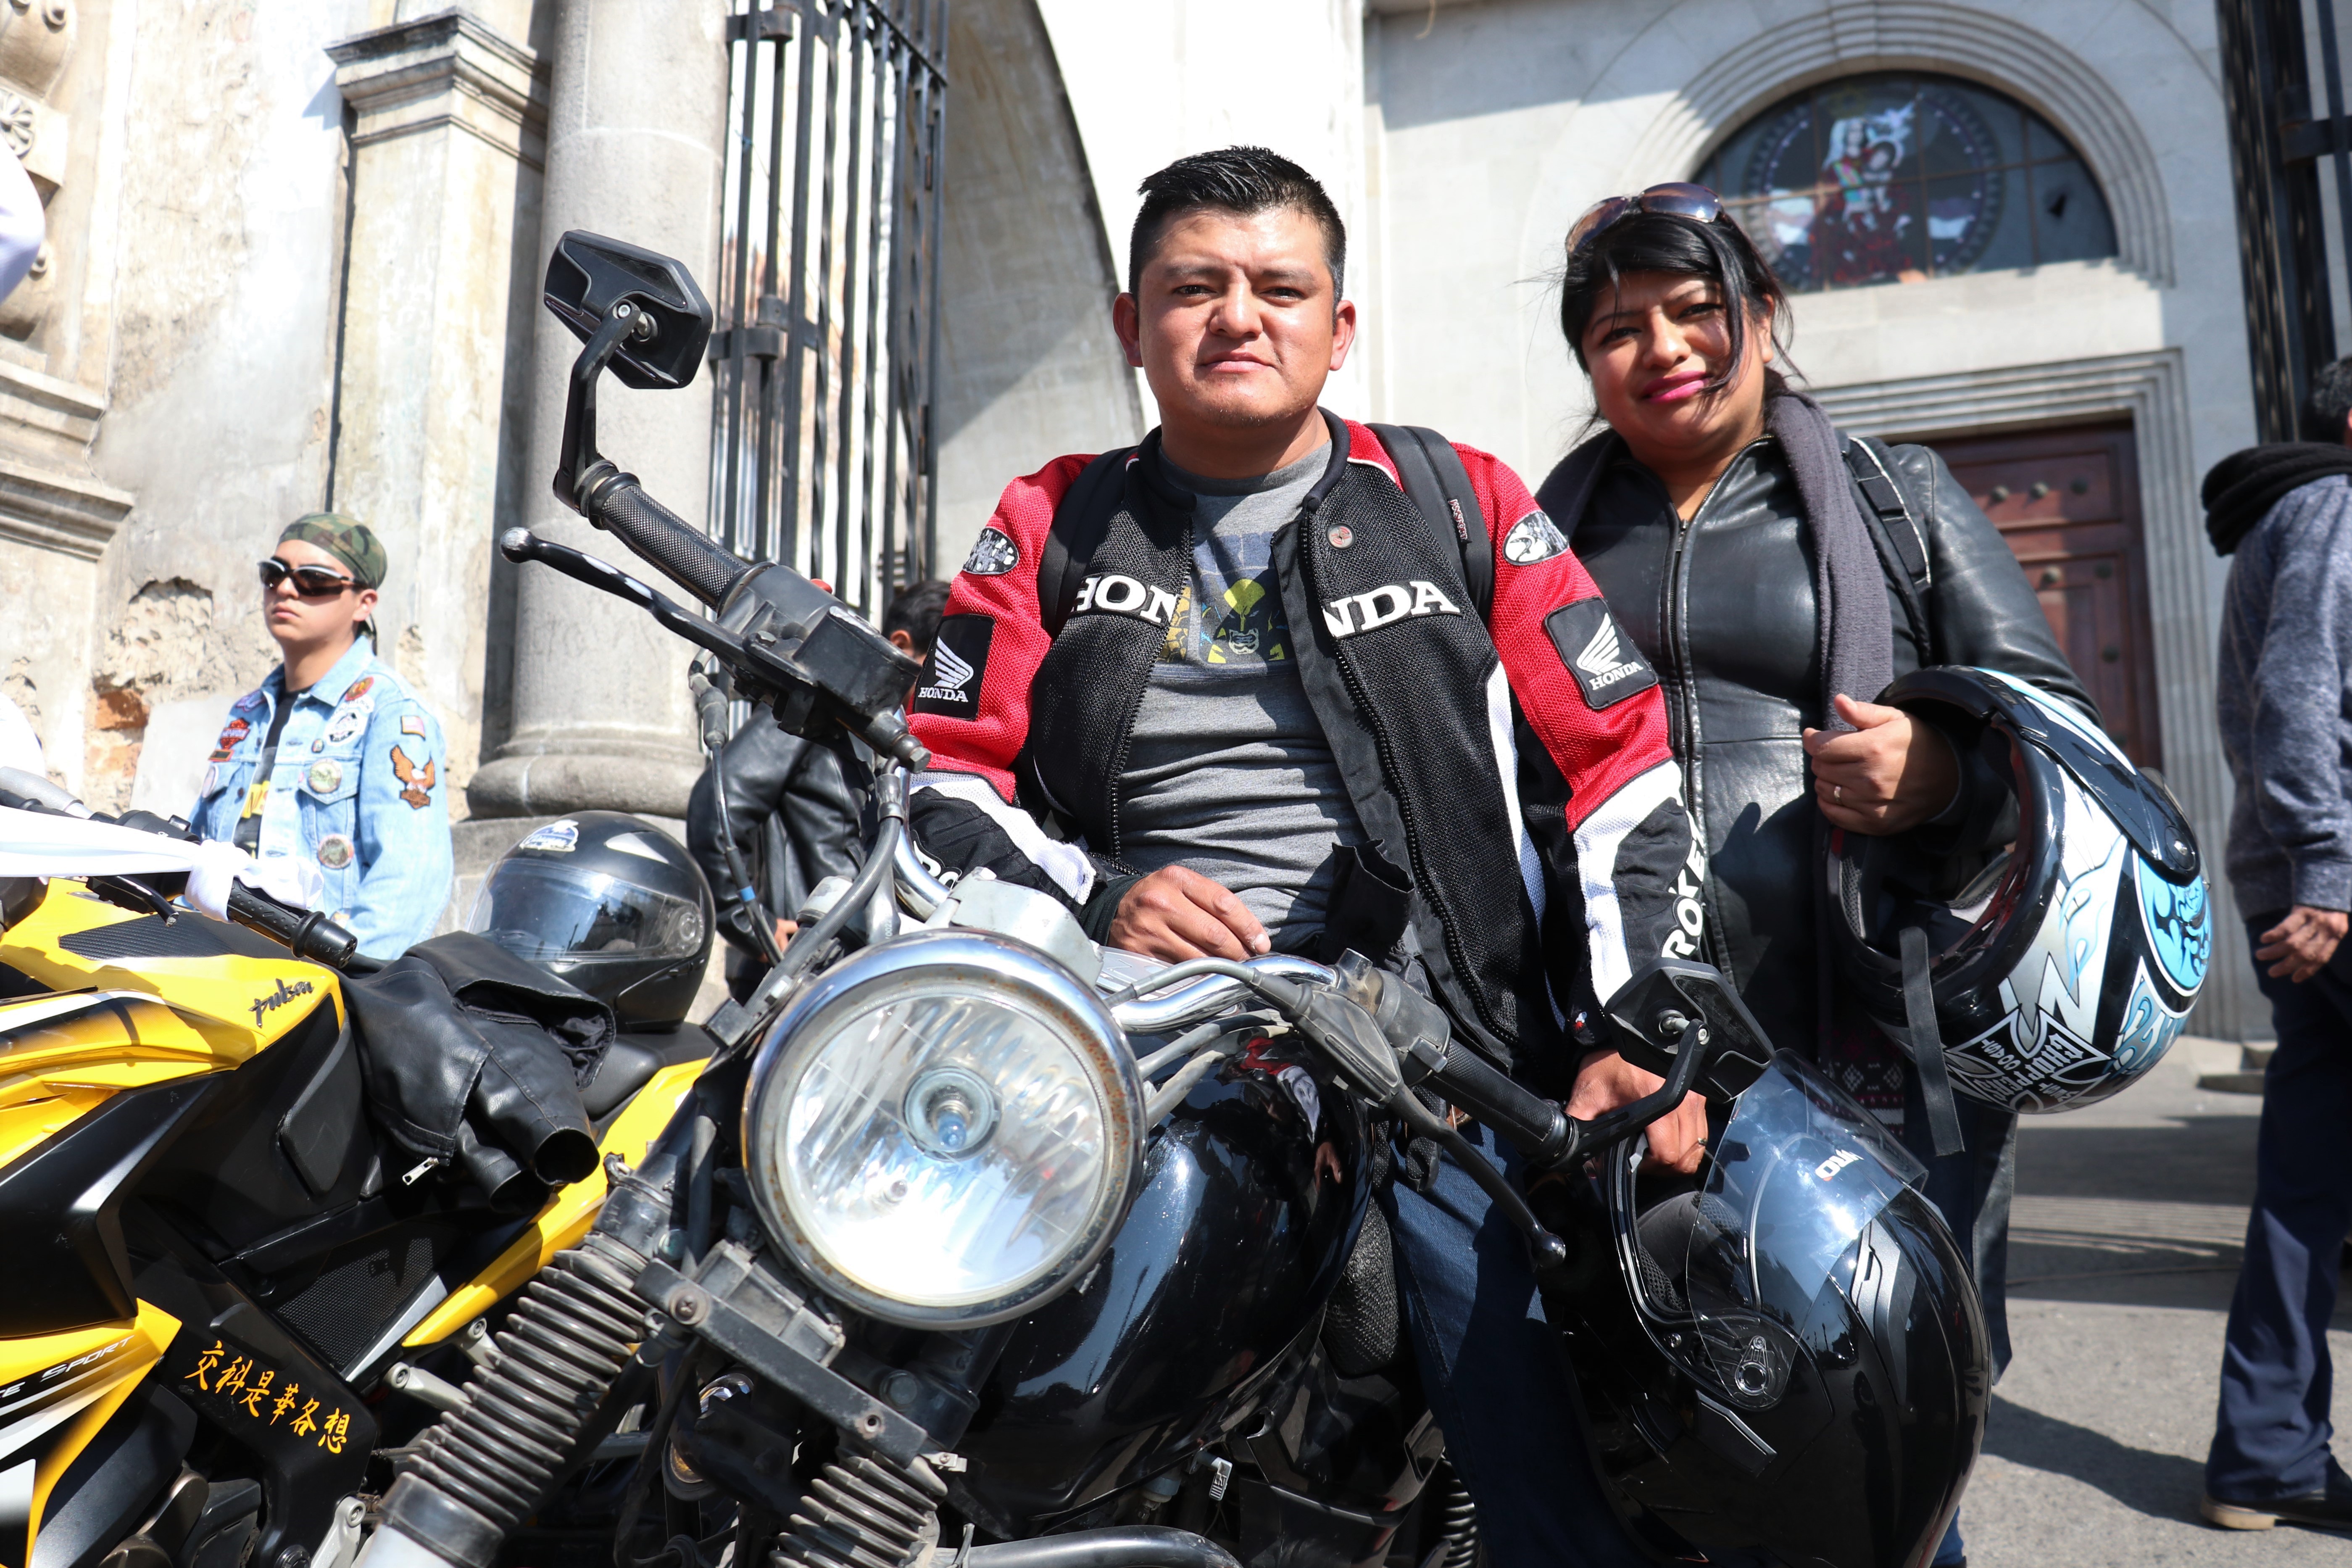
[1080,524]
[1439,486]
[1902,546]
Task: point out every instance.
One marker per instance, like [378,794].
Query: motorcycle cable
[710,706]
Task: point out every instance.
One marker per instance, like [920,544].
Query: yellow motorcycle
[227,1299]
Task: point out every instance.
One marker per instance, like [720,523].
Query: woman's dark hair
[1664,242]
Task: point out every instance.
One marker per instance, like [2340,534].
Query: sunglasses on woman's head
[311,582]
[1678,198]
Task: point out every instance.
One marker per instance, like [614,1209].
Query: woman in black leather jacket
[1716,557]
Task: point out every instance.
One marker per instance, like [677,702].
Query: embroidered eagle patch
[418,780]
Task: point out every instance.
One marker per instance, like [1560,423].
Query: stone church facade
[295,249]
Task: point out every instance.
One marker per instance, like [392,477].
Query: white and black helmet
[2067,968]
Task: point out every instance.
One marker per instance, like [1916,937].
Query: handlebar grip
[685,556]
[306,933]
[1536,1126]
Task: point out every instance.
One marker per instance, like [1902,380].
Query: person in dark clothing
[795,817]
[2283,514]
[1730,527]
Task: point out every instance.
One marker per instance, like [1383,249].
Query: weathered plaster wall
[223,317]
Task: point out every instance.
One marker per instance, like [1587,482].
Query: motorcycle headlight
[943,1130]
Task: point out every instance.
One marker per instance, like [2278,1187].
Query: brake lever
[748,661]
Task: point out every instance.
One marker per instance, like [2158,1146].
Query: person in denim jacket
[330,758]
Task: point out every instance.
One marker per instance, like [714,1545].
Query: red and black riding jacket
[1512,767]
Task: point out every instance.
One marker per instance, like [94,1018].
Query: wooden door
[2067,502]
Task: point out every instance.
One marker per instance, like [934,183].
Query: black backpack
[1431,469]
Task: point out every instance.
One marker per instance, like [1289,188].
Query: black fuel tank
[1253,1192]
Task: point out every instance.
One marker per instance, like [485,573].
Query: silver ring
[1837,792]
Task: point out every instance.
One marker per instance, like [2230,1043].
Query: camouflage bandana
[347,539]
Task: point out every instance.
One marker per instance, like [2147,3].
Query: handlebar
[306,934]
[615,503]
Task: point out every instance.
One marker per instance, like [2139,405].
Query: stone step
[2253,1063]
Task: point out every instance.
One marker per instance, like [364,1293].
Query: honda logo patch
[1532,539]
[993,554]
[1366,612]
[952,675]
[1606,667]
[1112,594]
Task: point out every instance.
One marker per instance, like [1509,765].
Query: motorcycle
[972,1236]
[232,1298]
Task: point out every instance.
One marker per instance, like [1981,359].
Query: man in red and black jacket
[1232,691]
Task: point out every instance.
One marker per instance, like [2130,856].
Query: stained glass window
[1897,177]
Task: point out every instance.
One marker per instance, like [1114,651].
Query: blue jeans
[1493,1375]
[1971,1190]
[2271,1438]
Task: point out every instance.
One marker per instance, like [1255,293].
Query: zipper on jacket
[1426,887]
[1135,708]
[1677,609]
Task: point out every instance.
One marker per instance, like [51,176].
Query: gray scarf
[1855,635]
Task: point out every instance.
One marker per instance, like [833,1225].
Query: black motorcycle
[960,1243]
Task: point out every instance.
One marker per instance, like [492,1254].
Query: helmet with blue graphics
[2062,971]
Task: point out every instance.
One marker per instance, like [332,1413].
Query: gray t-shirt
[1228,771]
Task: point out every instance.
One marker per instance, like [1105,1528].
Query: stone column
[433,401]
[634,144]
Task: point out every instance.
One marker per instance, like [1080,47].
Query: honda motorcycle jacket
[1509,763]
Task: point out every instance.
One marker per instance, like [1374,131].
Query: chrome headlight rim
[1004,971]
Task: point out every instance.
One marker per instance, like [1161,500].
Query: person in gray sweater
[2284,513]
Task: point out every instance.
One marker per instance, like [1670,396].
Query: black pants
[2271,1438]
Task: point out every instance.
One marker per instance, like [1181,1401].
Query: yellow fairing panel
[250,1000]
[62,1056]
[55,1392]
[568,1215]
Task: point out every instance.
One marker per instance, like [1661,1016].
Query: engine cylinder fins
[863,1512]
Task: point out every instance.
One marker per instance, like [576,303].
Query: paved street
[2125,1248]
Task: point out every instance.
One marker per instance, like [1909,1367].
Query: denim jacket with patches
[360,787]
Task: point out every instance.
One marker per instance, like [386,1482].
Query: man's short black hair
[1244,180]
[2329,405]
[915,610]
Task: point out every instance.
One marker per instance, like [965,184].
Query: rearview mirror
[1664,998]
[589,274]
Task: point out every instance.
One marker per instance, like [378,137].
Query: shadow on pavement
[2199,1160]
[2161,1486]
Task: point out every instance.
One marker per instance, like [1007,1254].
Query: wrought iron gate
[828,289]
[2284,88]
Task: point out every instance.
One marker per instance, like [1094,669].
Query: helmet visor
[1726,1277]
[561,918]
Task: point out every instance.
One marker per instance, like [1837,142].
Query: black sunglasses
[311,582]
[1678,198]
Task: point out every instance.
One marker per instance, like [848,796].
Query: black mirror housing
[589,274]
[1645,1010]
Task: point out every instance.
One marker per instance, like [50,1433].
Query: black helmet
[611,903]
[1785,1353]
[2067,967]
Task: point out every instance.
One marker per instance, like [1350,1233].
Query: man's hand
[2303,942]
[785,931]
[1887,773]
[1175,914]
[1607,1080]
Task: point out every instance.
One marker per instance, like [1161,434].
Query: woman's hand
[1889,773]
[1607,1080]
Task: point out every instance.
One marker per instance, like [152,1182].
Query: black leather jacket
[1723,608]
[795,819]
